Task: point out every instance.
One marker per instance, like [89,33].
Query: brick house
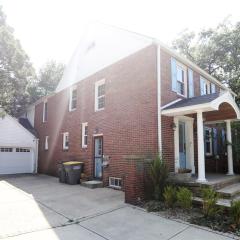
[125,97]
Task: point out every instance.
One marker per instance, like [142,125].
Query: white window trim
[210,141]
[113,185]
[46,143]
[44,106]
[97,84]
[184,68]
[64,141]
[83,134]
[70,98]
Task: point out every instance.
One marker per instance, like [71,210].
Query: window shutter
[213,88]
[215,141]
[202,88]
[174,74]
[190,83]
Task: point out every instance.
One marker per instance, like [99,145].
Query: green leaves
[215,50]
[159,175]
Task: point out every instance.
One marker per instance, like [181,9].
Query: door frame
[189,143]
[94,168]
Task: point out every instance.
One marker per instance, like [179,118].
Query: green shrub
[154,206]
[159,175]
[184,198]
[235,212]
[169,196]
[210,198]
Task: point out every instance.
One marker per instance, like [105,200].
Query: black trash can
[73,172]
[61,173]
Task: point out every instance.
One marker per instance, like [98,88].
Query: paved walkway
[38,207]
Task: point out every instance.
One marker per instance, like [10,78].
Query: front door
[98,156]
[182,145]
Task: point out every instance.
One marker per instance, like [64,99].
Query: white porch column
[201,158]
[229,148]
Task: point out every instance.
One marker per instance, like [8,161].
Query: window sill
[65,149]
[72,110]
[98,110]
[84,147]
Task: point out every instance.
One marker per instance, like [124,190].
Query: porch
[191,148]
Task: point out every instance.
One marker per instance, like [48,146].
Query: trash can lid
[72,163]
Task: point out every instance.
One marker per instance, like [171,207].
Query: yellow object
[72,163]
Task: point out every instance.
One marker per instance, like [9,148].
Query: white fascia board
[171,103]
[205,107]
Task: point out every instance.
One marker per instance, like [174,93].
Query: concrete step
[226,203]
[92,184]
[230,191]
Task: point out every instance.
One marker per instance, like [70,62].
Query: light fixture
[173,126]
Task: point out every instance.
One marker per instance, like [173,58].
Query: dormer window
[73,99]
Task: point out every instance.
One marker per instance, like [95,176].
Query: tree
[15,70]
[49,76]
[47,80]
[215,50]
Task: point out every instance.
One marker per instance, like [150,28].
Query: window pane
[101,90]
[101,102]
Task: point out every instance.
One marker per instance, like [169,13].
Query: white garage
[18,147]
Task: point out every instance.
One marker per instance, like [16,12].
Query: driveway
[38,207]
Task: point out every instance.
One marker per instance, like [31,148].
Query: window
[73,98]
[22,150]
[4,149]
[46,143]
[84,134]
[115,182]
[45,111]
[206,87]
[100,95]
[180,80]
[208,141]
[65,141]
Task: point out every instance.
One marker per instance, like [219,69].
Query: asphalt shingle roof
[26,124]
[194,101]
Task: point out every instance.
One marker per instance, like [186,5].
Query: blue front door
[182,145]
[98,156]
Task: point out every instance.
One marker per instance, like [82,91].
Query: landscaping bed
[176,203]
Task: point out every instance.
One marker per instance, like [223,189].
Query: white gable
[13,134]
[100,47]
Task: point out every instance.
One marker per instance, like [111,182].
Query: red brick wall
[128,122]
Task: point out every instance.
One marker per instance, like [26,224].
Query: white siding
[13,134]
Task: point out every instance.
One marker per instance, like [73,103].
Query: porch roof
[206,103]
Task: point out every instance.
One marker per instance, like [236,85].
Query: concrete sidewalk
[38,207]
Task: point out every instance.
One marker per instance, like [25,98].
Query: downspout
[36,158]
[159,122]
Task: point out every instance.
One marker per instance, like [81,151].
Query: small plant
[210,198]
[159,175]
[184,198]
[235,212]
[169,196]
[154,206]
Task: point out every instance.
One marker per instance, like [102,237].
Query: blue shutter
[213,88]
[190,83]
[174,74]
[202,87]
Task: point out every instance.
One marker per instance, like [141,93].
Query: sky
[51,29]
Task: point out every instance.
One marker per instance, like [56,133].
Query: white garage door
[16,160]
